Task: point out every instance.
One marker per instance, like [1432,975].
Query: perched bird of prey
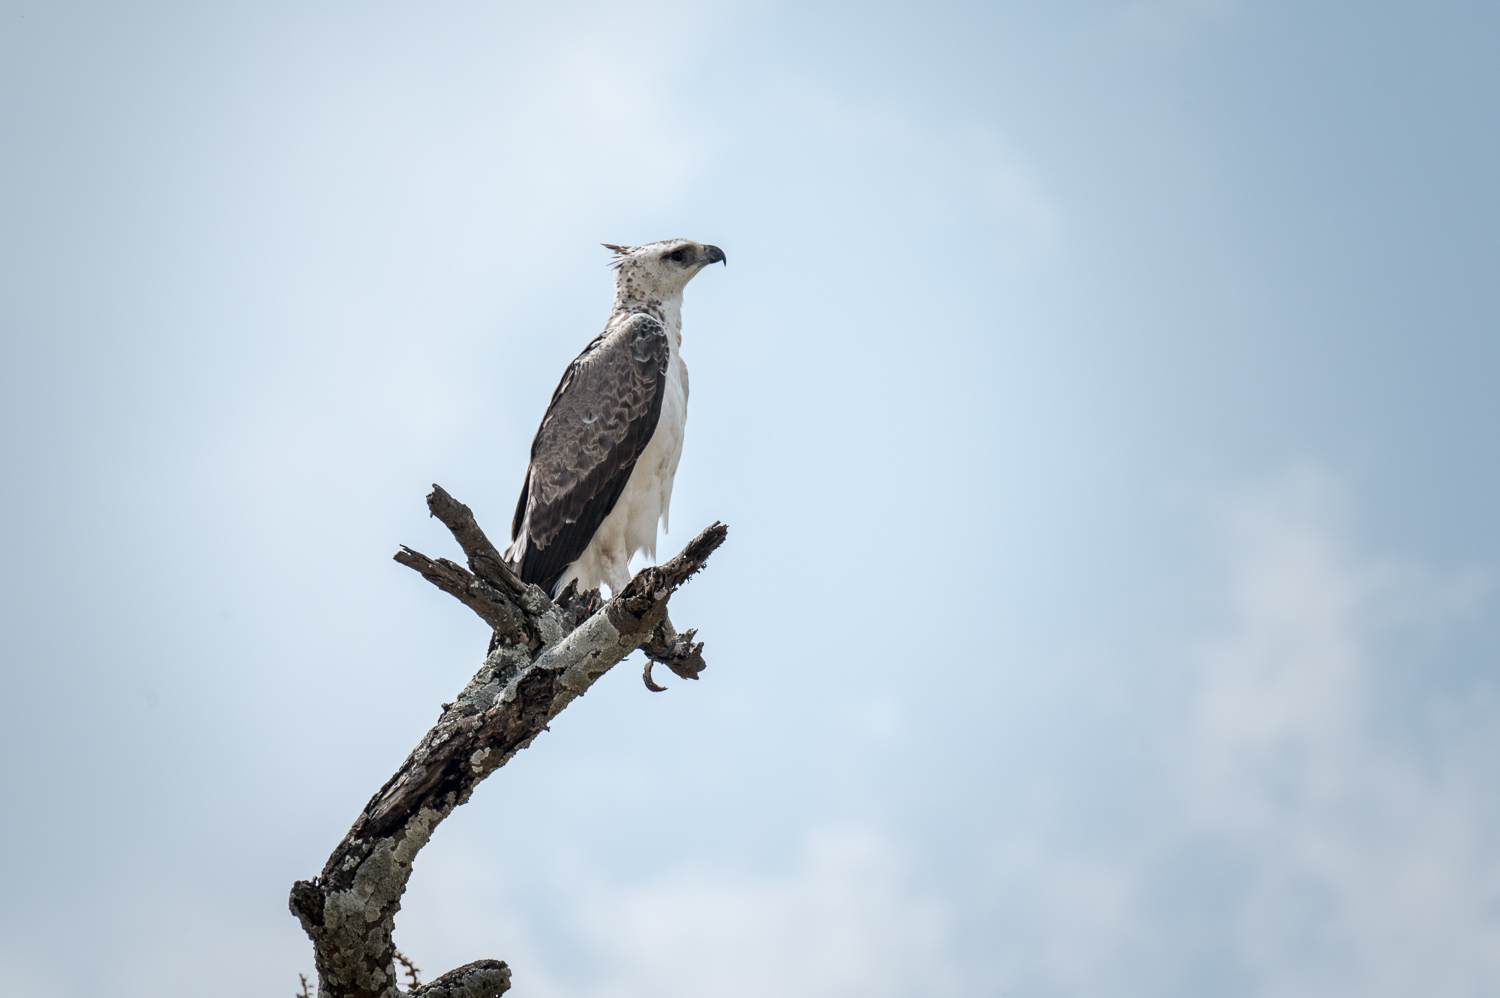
[603,460]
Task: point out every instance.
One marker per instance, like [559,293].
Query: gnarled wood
[546,654]
[494,607]
[484,558]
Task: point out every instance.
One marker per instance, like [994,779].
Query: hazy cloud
[845,921]
[1370,872]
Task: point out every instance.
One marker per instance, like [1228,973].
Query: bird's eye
[677,256]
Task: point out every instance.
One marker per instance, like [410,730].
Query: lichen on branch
[543,655]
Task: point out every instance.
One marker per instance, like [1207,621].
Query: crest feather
[620,252]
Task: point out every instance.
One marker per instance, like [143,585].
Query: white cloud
[1372,874]
[845,922]
[1298,843]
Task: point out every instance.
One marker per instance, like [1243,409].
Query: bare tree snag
[544,653]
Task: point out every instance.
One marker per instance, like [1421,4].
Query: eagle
[603,460]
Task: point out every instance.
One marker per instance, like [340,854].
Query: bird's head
[661,269]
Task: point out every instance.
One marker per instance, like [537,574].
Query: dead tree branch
[544,654]
[484,559]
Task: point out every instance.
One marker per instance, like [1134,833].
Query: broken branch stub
[484,558]
[494,607]
[546,654]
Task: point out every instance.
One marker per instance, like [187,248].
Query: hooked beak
[712,254]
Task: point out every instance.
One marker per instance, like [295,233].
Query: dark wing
[601,417]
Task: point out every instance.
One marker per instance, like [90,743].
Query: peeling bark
[544,654]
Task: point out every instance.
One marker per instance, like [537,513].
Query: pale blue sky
[1102,396]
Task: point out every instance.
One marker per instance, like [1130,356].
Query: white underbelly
[631,526]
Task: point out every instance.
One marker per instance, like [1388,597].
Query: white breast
[631,526]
